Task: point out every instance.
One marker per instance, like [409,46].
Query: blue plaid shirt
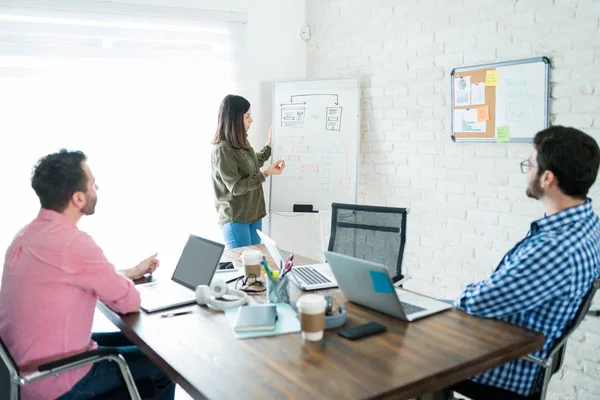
[539,285]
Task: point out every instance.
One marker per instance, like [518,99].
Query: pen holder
[277,290]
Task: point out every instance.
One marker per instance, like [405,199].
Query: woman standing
[237,179]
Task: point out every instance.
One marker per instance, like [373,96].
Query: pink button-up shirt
[53,275]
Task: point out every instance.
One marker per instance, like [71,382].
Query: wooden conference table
[198,351]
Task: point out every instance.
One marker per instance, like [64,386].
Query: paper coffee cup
[252,260]
[311,310]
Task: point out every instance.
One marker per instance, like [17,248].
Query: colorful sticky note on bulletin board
[491,77]
[483,113]
[503,133]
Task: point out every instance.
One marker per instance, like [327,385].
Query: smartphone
[361,331]
[226,265]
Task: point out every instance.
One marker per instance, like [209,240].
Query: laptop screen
[198,262]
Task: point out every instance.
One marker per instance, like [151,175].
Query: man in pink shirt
[53,275]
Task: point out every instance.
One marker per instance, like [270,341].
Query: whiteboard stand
[316,129]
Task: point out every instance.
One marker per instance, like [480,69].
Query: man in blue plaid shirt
[540,283]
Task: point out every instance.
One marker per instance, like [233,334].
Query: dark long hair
[230,126]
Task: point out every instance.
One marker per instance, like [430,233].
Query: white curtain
[139,95]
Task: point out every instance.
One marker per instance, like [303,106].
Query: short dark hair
[230,125]
[571,155]
[57,176]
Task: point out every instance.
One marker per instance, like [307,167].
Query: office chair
[372,233]
[549,366]
[11,378]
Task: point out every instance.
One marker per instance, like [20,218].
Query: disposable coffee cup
[311,310]
[252,260]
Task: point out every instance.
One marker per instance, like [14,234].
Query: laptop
[307,277]
[196,266]
[369,284]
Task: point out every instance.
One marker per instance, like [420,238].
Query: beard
[534,189]
[90,205]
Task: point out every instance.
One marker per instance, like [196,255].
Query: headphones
[334,320]
[213,295]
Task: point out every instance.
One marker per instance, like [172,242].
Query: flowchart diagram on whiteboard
[292,114]
[316,131]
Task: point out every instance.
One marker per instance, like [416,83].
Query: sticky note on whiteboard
[483,113]
[381,282]
[503,133]
[491,77]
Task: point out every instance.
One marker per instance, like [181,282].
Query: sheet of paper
[462,91]
[491,77]
[287,322]
[465,120]
[483,113]
[503,133]
[478,93]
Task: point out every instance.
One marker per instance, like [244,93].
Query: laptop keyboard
[411,308]
[153,293]
[310,275]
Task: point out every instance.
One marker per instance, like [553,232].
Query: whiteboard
[316,130]
[516,101]
[521,99]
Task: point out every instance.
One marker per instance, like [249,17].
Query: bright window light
[109,24]
[144,123]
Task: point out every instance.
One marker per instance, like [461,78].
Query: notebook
[256,318]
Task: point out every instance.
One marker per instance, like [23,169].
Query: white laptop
[369,284]
[196,266]
[307,277]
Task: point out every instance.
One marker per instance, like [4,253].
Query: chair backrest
[8,370]
[372,233]
[585,305]
[557,351]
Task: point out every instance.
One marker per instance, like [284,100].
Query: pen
[287,269]
[174,314]
[288,263]
[266,267]
[234,279]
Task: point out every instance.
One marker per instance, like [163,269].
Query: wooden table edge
[129,333]
[459,374]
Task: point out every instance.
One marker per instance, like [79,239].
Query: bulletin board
[500,102]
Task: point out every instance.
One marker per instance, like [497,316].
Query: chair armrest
[594,313]
[82,357]
[536,360]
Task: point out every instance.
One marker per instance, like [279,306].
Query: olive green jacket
[237,182]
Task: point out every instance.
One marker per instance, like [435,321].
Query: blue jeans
[105,376]
[240,234]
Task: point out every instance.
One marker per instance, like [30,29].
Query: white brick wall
[467,201]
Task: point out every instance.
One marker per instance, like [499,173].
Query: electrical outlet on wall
[305,32]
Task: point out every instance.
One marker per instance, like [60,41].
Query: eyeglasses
[526,166]
[250,284]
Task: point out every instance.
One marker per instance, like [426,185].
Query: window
[139,95]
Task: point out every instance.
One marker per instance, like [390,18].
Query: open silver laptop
[196,266]
[369,284]
[307,277]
